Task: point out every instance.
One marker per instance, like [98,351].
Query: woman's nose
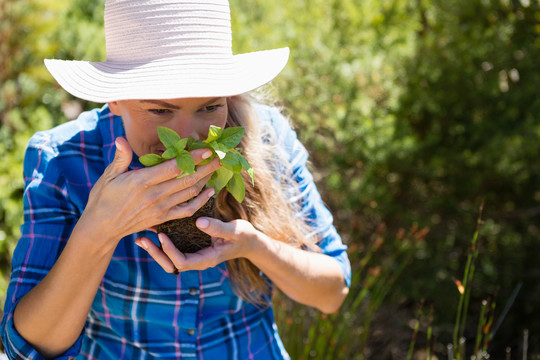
[184,126]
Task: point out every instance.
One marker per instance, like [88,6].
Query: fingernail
[160,237]
[206,154]
[211,192]
[142,244]
[202,223]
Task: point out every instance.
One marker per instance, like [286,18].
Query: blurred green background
[414,111]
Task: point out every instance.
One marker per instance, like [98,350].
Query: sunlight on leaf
[214,133]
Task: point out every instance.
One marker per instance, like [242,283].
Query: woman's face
[188,117]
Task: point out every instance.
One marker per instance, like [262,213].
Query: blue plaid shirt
[141,312]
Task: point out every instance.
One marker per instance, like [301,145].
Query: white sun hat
[167,49]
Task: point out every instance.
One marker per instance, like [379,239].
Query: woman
[91,278]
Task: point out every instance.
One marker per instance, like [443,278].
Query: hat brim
[181,77]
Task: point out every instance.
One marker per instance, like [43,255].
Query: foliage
[471,110]
[377,266]
[413,112]
[223,144]
[457,349]
[29,100]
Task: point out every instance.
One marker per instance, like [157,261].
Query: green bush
[471,109]
[29,98]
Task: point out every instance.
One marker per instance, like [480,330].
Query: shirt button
[191,331]
[193,291]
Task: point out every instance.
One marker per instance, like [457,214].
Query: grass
[309,334]
[345,335]
[486,326]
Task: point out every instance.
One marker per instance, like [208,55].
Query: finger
[200,260]
[159,256]
[182,194]
[203,259]
[216,228]
[233,239]
[187,209]
[174,255]
[169,169]
[200,155]
[122,157]
[202,171]
[185,187]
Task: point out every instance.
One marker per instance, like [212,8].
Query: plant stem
[429,334]
[463,305]
[481,323]
[415,331]
[525,343]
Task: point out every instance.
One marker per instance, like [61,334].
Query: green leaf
[151,159]
[169,153]
[167,136]
[232,162]
[180,145]
[185,162]
[248,168]
[214,132]
[194,144]
[220,149]
[231,136]
[220,178]
[237,188]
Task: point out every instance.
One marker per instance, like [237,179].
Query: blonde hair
[266,204]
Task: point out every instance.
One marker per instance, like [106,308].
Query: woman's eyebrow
[174,107]
[211,101]
[161,103]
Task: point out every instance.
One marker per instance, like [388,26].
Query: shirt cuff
[16,347]
[345,265]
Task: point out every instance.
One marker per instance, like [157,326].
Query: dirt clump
[184,233]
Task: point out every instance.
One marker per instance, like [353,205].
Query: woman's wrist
[94,237]
[260,248]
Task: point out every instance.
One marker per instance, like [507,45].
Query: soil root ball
[184,233]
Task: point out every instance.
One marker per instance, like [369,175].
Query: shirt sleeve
[313,208]
[48,221]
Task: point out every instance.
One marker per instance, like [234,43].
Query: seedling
[222,142]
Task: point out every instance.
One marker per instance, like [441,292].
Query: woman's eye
[159,111]
[212,108]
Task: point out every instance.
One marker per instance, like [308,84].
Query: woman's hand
[230,240]
[123,202]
